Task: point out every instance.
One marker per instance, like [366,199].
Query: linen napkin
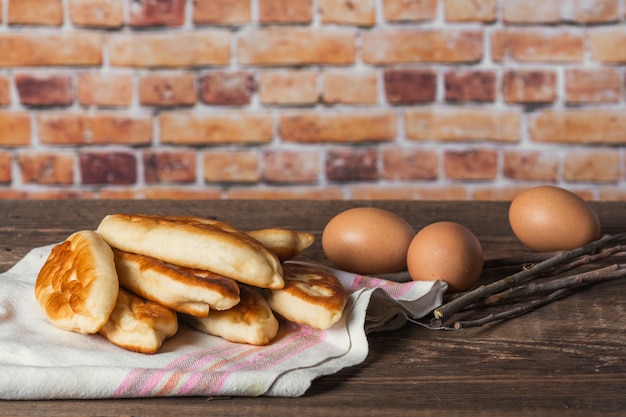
[40,361]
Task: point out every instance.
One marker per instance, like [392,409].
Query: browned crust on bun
[285,243]
[138,325]
[310,296]
[195,242]
[251,321]
[77,286]
[185,290]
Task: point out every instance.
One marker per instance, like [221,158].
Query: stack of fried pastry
[137,275]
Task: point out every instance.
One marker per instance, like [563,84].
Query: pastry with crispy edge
[285,243]
[138,325]
[195,242]
[185,290]
[251,321]
[77,286]
[310,296]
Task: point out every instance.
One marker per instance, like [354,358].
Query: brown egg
[447,251]
[549,218]
[367,240]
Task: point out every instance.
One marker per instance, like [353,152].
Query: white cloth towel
[40,361]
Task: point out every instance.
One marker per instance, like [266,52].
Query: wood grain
[567,358]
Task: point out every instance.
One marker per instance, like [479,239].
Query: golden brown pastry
[195,242]
[181,289]
[138,325]
[77,286]
[251,321]
[285,243]
[311,296]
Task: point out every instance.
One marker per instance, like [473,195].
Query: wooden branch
[527,262]
[513,312]
[458,304]
[587,259]
[557,289]
[607,273]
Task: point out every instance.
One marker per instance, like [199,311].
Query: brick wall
[347,99]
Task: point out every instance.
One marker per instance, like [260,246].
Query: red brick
[350,87]
[395,46]
[101,128]
[120,128]
[14,128]
[5,168]
[290,166]
[529,86]
[283,192]
[288,87]
[156,12]
[30,49]
[108,168]
[97,13]
[197,129]
[603,43]
[5,91]
[180,193]
[615,193]
[410,164]
[524,11]
[58,194]
[239,166]
[405,86]
[409,10]
[227,88]
[118,192]
[470,85]
[538,45]
[307,127]
[497,193]
[602,126]
[347,12]
[352,164]
[224,12]
[408,192]
[280,11]
[169,49]
[35,12]
[45,89]
[447,124]
[474,164]
[12,194]
[169,166]
[593,166]
[296,46]
[531,165]
[46,167]
[484,11]
[591,11]
[165,89]
[598,85]
[105,89]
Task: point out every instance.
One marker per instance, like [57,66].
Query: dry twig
[556,288]
[515,311]
[566,259]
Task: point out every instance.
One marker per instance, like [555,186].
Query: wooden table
[567,358]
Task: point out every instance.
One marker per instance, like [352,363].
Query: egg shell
[367,240]
[548,218]
[447,251]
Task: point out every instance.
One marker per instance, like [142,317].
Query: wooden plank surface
[567,358]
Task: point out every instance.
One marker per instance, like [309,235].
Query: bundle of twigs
[541,282]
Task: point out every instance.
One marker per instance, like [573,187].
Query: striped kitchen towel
[40,361]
